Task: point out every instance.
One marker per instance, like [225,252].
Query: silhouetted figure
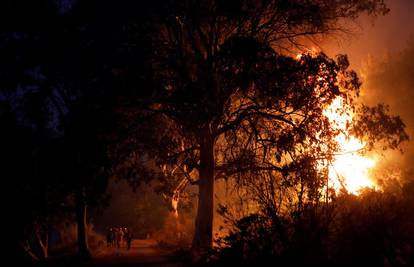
[121,237]
[113,237]
[118,237]
[125,236]
[109,237]
[128,237]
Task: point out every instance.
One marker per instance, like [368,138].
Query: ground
[142,253]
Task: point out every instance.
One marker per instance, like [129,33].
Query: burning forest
[207,133]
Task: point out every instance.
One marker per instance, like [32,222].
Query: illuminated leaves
[378,128]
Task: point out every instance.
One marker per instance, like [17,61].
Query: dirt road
[142,253]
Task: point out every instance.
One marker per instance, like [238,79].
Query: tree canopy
[222,94]
[185,90]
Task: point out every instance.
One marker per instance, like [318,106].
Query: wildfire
[349,169]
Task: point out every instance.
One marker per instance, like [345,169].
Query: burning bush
[374,229]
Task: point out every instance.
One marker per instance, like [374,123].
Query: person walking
[128,237]
[118,237]
[109,237]
[113,237]
[121,237]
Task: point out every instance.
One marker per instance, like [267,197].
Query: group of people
[119,237]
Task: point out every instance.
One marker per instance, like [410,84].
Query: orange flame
[349,169]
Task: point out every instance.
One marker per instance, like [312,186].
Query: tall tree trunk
[81,208]
[203,235]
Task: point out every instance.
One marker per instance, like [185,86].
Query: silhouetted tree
[55,83]
[208,90]
[221,91]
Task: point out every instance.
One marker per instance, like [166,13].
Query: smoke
[374,36]
[390,79]
[143,212]
[381,50]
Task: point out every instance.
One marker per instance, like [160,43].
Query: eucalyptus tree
[220,94]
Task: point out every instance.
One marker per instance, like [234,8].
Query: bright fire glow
[349,169]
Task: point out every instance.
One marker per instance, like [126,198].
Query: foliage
[203,90]
[220,97]
[373,229]
[57,115]
[385,79]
